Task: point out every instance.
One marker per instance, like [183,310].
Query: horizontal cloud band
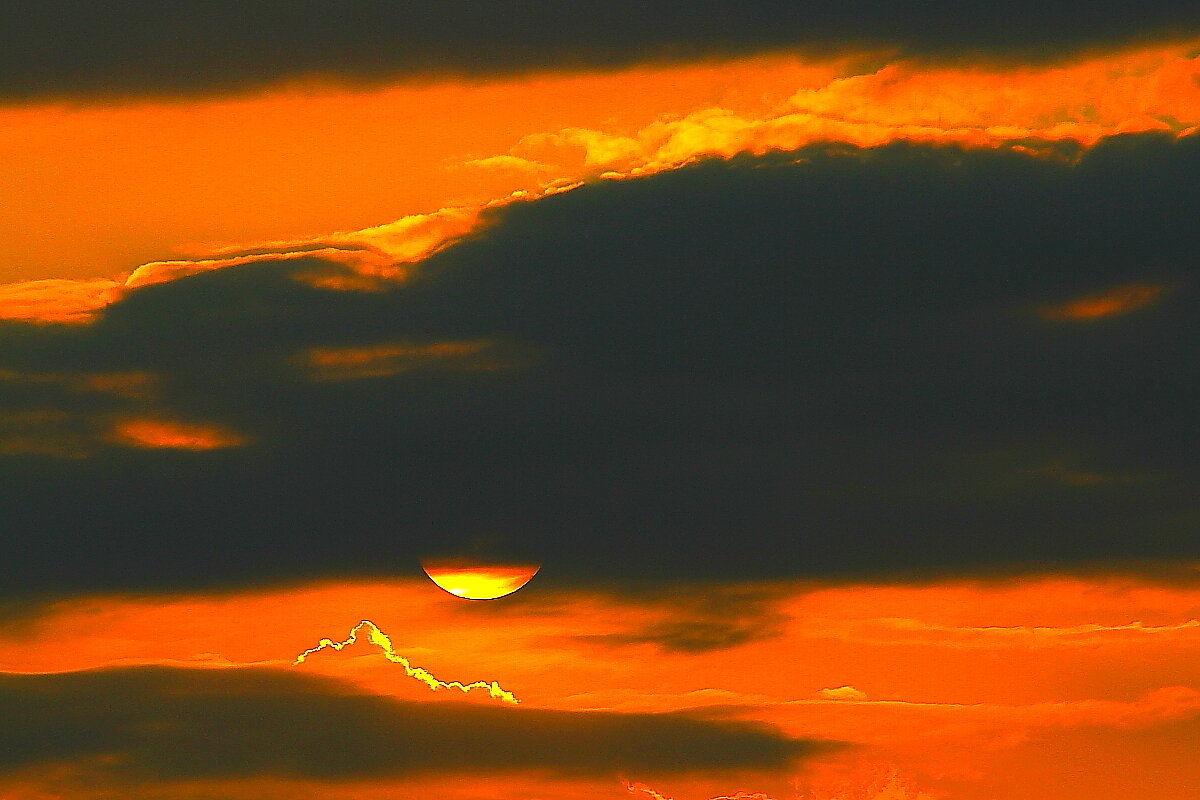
[137,47]
[832,360]
[172,724]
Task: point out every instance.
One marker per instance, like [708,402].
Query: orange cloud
[373,256]
[60,432]
[365,262]
[1135,91]
[1085,635]
[1112,303]
[382,360]
[153,433]
[853,778]
[57,433]
[133,385]
[1158,705]
[57,300]
[381,251]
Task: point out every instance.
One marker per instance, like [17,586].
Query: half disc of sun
[474,580]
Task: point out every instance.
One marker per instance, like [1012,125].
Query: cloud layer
[164,724]
[828,361]
[55,49]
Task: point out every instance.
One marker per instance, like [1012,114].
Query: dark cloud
[700,619]
[689,636]
[130,47]
[174,724]
[827,362]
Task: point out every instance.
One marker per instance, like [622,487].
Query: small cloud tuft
[1101,305]
[153,433]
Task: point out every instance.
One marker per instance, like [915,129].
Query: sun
[475,580]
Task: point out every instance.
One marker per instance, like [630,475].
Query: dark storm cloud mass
[129,47]
[171,724]
[829,362]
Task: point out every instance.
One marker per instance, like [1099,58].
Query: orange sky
[968,690]
[97,190]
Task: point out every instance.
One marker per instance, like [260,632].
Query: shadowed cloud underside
[832,360]
[172,724]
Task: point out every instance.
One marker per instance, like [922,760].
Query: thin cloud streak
[154,433]
[1112,303]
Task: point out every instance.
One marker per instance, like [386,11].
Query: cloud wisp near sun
[830,368]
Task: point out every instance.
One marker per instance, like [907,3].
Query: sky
[833,364]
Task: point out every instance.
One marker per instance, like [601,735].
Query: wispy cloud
[1114,302]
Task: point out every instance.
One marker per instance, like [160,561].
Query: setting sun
[479,582]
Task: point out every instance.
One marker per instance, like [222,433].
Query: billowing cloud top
[143,47]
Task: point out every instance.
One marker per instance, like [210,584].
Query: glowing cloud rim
[384,643]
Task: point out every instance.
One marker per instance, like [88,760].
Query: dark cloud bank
[165,724]
[128,47]
[824,363]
